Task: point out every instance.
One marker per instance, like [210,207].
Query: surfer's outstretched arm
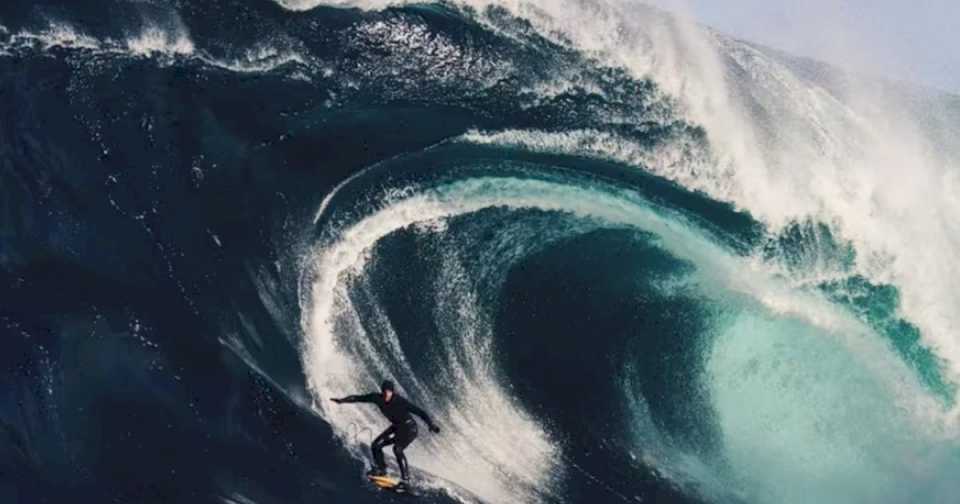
[423,416]
[362,398]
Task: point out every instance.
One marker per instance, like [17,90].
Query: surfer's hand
[337,400]
[434,429]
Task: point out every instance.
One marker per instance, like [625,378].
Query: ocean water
[619,257]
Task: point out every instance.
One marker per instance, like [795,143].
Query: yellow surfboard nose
[384,481]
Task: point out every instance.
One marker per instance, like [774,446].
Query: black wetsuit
[402,430]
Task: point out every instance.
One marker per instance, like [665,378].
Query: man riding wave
[402,430]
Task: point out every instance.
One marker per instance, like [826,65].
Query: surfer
[402,430]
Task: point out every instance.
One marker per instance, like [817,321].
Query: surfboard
[391,484]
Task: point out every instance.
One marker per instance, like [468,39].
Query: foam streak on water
[162,44]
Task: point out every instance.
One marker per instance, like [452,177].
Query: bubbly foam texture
[804,420]
[260,59]
[57,35]
[157,41]
[680,161]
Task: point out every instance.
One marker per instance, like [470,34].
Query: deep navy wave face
[616,257]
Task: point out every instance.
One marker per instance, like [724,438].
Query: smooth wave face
[620,257]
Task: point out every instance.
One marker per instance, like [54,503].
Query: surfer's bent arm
[361,398]
[423,416]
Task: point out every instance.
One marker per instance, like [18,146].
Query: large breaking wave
[618,255]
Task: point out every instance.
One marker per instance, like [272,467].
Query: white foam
[260,59]
[156,41]
[56,35]
[164,44]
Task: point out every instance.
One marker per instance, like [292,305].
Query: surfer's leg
[401,462]
[386,438]
[405,436]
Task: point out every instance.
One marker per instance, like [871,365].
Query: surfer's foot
[376,472]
